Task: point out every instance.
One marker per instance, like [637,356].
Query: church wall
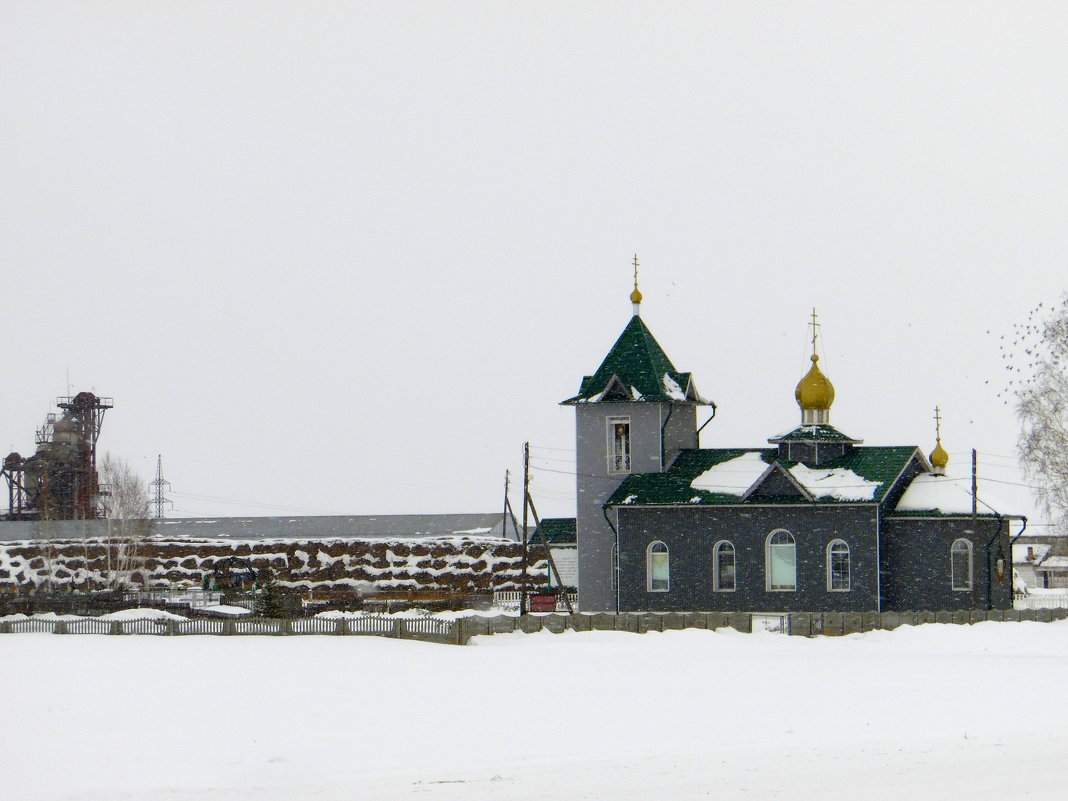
[680,430]
[691,532]
[917,564]
[595,485]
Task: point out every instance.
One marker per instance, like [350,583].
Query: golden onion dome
[815,390]
[939,457]
[635,296]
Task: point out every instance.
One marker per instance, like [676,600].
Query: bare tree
[125,500]
[1036,356]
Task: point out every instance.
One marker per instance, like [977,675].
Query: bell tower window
[618,444]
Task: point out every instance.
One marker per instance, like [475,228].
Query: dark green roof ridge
[557,531]
[639,363]
[816,433]
[672,487]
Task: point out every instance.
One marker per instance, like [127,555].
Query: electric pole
[159,489]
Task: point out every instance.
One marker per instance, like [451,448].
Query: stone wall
[798,623]
[451,565]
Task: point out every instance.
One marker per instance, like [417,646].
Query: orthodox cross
[815,328]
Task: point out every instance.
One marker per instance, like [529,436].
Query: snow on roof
[838,483]
[945,494]
[732,477]
[735,477]
[1054,563]
[929,492]
[142,613]
[226,610]
[672,388]
[1019,552]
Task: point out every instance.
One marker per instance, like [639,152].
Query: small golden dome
[939,457]
[635,296]
[815,390]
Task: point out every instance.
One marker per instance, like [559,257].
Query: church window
[838,567]
[960,565]
[723,567]
[657,570]
[618,444]
[781,561]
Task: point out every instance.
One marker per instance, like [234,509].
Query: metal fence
[423,628]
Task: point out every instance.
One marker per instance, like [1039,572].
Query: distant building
[1050,565]
[559,534]
[292,527]
[815,522]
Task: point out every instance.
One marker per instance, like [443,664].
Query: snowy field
[940,712]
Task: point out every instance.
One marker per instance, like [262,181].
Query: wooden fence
[460,631]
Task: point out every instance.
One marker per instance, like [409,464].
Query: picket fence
[1043,600]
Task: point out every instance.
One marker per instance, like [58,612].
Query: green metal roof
[643,370]
[557,531]
[673,487]
[813,434]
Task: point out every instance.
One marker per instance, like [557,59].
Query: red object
[541,602]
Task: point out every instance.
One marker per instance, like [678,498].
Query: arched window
[838,567]
[618,444]
[781,561]
[656,568]
[723,567]
[960,565]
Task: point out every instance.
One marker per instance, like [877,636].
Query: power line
[547,448]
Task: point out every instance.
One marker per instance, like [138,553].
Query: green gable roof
[820,433]
[673,487]
[641,368]
[557,531]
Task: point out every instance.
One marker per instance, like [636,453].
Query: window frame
[768,545]
[649,566]
[968,549]
[610,441]
[718,550]
[848,566]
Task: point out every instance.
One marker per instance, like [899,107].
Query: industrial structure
[60,481]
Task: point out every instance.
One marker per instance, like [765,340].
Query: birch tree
[1036,356]
[125,500]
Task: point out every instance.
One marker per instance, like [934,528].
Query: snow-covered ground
[933,711]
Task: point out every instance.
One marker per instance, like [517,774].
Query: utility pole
[504,514]
[528,505]
[523,532]
[975,487]
[159,487]
[528,501]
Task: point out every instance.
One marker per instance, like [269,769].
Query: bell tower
[633,415]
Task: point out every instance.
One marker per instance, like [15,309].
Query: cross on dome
[939,456]
[815,392]
[636,295]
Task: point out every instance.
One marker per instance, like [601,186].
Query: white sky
[347,257]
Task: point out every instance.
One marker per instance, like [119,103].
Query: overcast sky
[346,257]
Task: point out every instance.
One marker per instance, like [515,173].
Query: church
[813,521]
